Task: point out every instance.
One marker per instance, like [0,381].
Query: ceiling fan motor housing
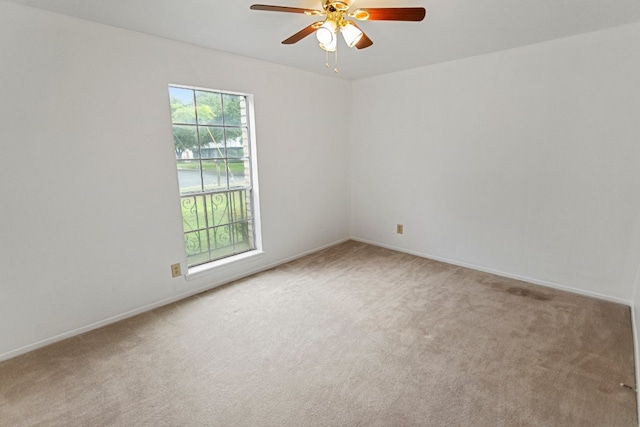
[336,6]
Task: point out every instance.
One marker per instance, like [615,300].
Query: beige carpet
[354,335]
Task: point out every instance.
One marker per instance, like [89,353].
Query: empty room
[319,213]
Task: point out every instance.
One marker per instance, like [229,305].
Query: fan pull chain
[326,61]
[335,62]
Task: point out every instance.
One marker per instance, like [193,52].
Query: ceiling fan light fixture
[326,34]
[351,33]
[330,47]
[360,14]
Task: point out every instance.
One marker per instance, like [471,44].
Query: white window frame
[195,271]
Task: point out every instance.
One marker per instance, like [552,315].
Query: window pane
[239,205]
[243,237]
[219,209]
[235,145]
[189,176]
[214,174]
[211,142]
[209,106]
[221,236]
[197,245]
[247,197]
[182,107]
[185,141]
[239,173]
[193,213]
[233,110]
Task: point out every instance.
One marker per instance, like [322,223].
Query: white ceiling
[453,29]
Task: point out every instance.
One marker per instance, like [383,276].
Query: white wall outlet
[175,270]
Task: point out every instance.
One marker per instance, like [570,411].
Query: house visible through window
[214,160]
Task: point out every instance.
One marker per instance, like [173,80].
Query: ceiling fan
[336,18]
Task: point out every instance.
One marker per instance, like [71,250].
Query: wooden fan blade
[302,33]
[396,13]
[364,41]
[283,9]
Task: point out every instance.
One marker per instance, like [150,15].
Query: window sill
[208,268]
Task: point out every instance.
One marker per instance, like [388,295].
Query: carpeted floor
[354,335]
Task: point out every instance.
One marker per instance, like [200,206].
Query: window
[214,161]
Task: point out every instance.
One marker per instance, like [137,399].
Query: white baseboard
[500,273]
[157,304]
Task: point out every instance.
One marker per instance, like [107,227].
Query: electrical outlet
[175,270]
[399,228]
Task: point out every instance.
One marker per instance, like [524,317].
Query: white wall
[522,162]
[89,210]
